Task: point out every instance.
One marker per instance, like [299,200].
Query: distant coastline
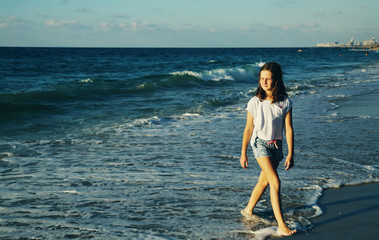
[365,45]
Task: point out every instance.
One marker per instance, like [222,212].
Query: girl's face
[266,80]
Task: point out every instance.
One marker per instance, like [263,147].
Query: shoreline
[359,105]
[349,213]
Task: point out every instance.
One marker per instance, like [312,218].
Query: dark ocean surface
[145,143]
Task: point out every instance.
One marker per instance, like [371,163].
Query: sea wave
[247,73]
[50,98]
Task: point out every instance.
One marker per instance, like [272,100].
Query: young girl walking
[267,114]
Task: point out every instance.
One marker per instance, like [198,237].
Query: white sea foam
[260,234]
[337,96]
[369,167]
[143,85]
[333,183]
[260,64]
[246,73]
[316,193]
[191,115]
[6,154]
[147,121]
[366,167]
[264,233]
[71,192]
[318,211]
[186,72]
[88,80]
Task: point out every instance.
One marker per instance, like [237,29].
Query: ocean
[144,143]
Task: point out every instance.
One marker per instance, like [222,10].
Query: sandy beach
[349,213]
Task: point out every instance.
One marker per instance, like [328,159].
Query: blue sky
[185,23]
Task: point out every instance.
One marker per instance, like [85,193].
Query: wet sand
[350,212]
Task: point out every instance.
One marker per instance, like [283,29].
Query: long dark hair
[278,90]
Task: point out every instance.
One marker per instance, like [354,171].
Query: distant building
[371,42]
[350,44]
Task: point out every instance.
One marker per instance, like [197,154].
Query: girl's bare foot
[248,215]
[285,231]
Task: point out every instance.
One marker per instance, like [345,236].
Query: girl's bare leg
[257,193]
[274,182]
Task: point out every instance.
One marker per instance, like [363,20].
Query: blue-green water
[145,143]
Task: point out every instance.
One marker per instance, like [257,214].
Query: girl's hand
[243,161]
[289,162]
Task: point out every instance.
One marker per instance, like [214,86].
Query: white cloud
[120,16]
[309,25]
[142,26]
[106,26]
[13,22]
[131,26]
[53,23]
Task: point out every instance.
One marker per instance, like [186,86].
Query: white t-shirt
[268,118]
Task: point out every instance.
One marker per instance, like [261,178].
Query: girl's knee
[263,181]
[275,184]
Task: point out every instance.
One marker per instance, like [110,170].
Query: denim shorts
[271,149]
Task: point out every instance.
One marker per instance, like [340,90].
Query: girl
[267,113]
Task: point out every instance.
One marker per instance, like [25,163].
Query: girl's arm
[249,128]
[290,140]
